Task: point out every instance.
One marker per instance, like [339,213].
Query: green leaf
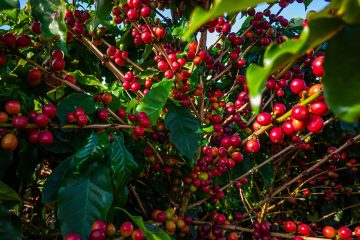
[151,232]
[8,229]
[342,77]
[84,198]
[185,131]
[199,16]
[94,149]
[51,15]
[102,12]
[88,80]
[71,102]
[7,193]
[307,3]
[53,182]
[321,27]
[122,163]
[155,99]
[9,4]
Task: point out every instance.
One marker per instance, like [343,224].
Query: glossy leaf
[321,27]
[122,163]
[71,102]
[84,198]
[9,4]
[7,193]
[199,16]
[87,80]
[185,131]
[151,232]
[155,99]
[94,149]
[102,12]
[53,182]
[343,74]
[51,14]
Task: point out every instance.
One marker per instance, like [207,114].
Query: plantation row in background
[122,120]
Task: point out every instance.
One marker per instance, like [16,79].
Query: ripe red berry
[315,124]
[126,229]
[138,130]
[235,140]
[72,236]
[160,32]
[19,122]
[133,14]
[9,40]
[41,120]
[357,231]
[99,225]
[300,113]
[290,227]
[111,51]
[70,79]
[264,119]
[36,27]
[345,233]
[103,114]
[319,108]
[97,235]
[279,109]
[46,137]
[169,74]
[317,66]
[145,11]
[58,64]
[276,135]
[49,110]
[304,230]
[71,118]
[297,85]
[137,235]
[81,119]
[34,136]
[2,60]
[23,41]
[12,107]
[329,232]
[252,146]
[34,77]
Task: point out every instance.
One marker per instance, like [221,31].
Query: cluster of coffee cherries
[141,120]
[172,223]
[76,20]
[117,55]
[18,121]
[11,41]
[143,34]
[219,25]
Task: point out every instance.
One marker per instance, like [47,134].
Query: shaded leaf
[155,99]
[84,198]
[185,131]
[7,193]
[6,159]
[9,4]
[88,80]
[102,12]
[343,75]
[8,230]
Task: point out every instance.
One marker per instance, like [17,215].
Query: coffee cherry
[81,119]
[110,228]
[304,230]
[252,146]
[276,135]
[279,109]
[315,89]
[19,122]
[34,136]
[169,74]
[9,40]
[160,32]
[70,79]
[235,140]
[12,107]
[170,227]
[317,66]
[357,231]
[34,77]
[46,137]
[72,236]
[138,130]
[133,15]
[315,124]
[319,108]
[145,11]
[36,27]
[126,229]
[23,41]
[97,235]
[3,117]
[71,118]
[111,51]
[99,225]
[300,113]
[106,98]
[297,85]
[137,235]
[290,227]
[288,128]
[329,232]
[264,119]
[9,142]
[57,54]
[41,120]
[103,115]
[49,110]
[2,60]
[345,233]
[58,64]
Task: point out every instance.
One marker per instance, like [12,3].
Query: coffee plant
[121,120]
